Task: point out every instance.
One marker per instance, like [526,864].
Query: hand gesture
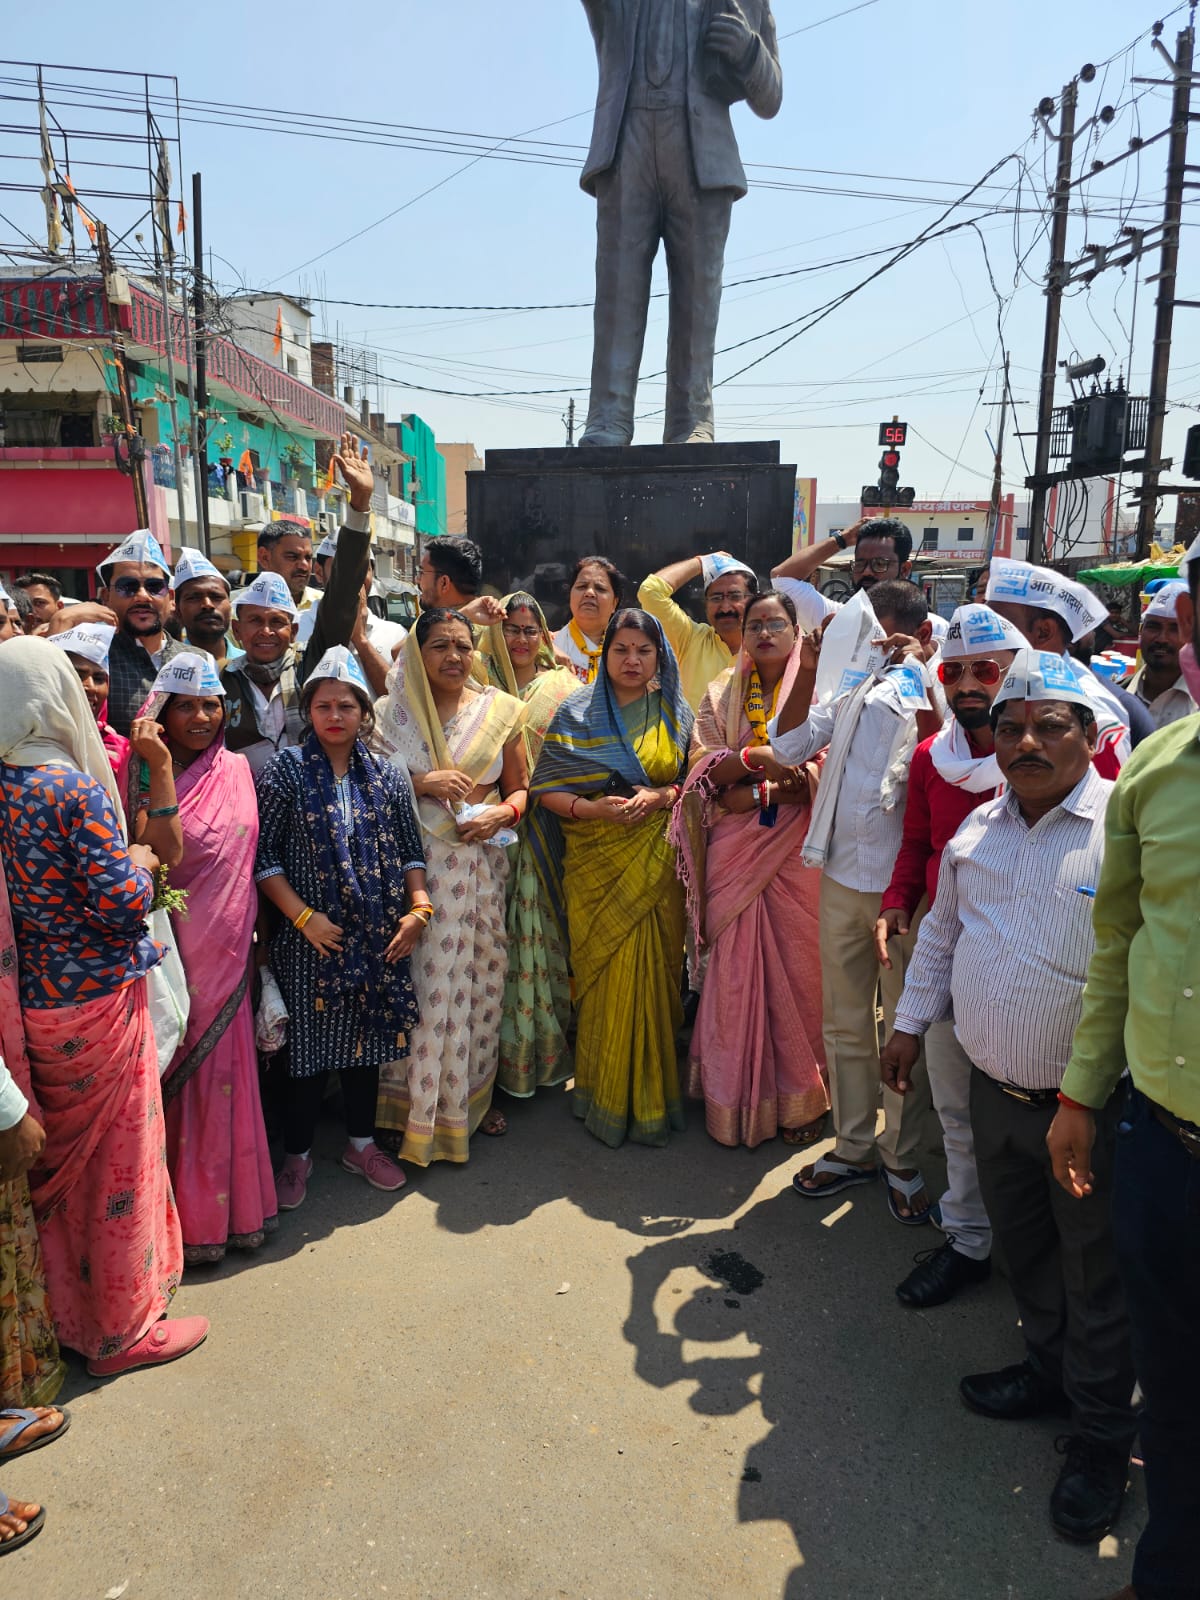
[730,35]
[450,785]
[892,924]
[404,940]
[324,936]
[897,1059]
[606,808]
[810,645]
[142,856]
[483,610]
[485,825]
[1069,1141]
[356,472]
[898,647]
[358,633]
[640,804]
[764,760]
[146,740]
[20,1147]
[74,616]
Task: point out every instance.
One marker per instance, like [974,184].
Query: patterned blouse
[79,903]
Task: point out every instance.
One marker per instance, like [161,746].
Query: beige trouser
[850,978]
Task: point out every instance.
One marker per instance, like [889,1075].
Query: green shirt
[1141,1004]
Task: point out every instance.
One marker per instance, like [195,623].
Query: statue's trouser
[650,194]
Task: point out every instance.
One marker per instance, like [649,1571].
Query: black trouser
[1156,1225]
[360,1091]
[1061,1256]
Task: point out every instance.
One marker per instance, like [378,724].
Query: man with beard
[951,774]
[703,649]
[1008,943]
[1158,682]
[1140,1011]
[202,603]
[285,548]
[135,587]
[882,552]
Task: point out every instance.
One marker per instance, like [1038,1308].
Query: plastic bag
[271,1018]
[167,992]
[849,649]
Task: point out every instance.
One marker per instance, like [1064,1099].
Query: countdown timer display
[893,433]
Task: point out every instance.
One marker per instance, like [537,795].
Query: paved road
[402,1397]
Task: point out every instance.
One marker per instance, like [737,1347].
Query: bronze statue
[664,166]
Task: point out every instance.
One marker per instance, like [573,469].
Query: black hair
[22,603]
[1063,626]
[31,579]
[163,708]
[889,528]
[309,691]
[785,600]
[1193,580]
[900,600]
[631,617]
[284,527]
[458,558]
[614,574]
[1085,714]
[749,578]
[520,599]
[428,620]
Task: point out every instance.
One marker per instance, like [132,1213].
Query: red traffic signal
[891,458]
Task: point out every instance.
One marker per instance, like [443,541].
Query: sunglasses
[984,672]
[128,587]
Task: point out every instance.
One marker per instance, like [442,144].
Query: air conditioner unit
[254,507]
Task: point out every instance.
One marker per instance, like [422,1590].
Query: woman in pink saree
[217,1150]
[757,1057]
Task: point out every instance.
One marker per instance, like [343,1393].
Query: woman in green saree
[606,779]
[534,1053]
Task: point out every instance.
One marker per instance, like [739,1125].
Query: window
[29,354]
[1022,533]
[293,366]
[966,536]
[929,539]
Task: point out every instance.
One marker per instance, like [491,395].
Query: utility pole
[134,444]
[569,419]
[200,408]
[1160,365]
[1054,290]
[993,521]
[176,442]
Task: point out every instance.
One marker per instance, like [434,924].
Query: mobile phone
[618,786]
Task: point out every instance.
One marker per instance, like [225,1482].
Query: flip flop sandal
[799,1137]
[845,1177]
[909,1188]
[32,1528]
[26,1419]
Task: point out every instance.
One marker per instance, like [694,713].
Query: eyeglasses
[984,672]
[775,625]
[734,596]
[876,564]
[128,587]
[511,631]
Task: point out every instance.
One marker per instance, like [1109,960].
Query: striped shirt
[1009,937]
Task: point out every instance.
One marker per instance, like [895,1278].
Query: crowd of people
[484,856]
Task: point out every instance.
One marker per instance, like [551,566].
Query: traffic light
[870,495]
[889,476]
[1191,453]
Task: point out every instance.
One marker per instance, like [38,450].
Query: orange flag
[278,340]
[181,220]
[246,466]
[83,216]
[327,485]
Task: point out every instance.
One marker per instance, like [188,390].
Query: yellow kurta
[699,649]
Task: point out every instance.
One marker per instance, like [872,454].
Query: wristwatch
[839,539]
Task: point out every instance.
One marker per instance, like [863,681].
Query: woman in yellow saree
[534,1052]
[609,772]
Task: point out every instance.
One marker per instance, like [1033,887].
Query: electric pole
[993,521]
[569,419]
[115,299]
[1177,171]
[201,404]
[1054,289]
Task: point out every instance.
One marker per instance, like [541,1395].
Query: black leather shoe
[1014,1392]
[1086,1500]
[939,1275]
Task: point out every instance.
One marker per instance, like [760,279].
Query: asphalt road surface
[529,1377]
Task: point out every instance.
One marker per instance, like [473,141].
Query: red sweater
[932,816]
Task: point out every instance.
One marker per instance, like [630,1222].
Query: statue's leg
[695,228]
[627,235]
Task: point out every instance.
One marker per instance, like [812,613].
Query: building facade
[460,459]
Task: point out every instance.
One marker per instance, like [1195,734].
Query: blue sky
[920,98]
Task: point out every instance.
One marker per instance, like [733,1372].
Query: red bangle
[574,803]
[1072,1105]
[745,762]
[515,812]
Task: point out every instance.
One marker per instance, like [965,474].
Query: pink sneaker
[165,1341]
[291,1182]
[380,1171]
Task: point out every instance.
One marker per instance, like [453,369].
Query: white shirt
[812,607]
[1168,706]
[13,1104]
[1010,936]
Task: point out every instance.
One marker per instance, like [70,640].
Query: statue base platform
[535,512]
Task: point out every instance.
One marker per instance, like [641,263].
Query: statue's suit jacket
[714,146]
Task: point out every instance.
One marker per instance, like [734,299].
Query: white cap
[1041,675]
[976,628]
[269,591]
[719,565]
[140,546]
[1028,585]
[340,664]
[195,564]
[327,547]
[91,640]
[1162,601]
[5,598]
[190,672]
[1193,553]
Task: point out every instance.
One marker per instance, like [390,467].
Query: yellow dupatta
[543,695]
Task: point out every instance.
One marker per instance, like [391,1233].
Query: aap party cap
[91,640]
[719,565]
[1162,602]
[1028,585]
[195,564]
[340,664]
[188,673]
[327,547]
[974,629]
[5,598]
[269,591]
[1193,554]
[141,547]
[1041,675]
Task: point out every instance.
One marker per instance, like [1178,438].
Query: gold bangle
[300,922]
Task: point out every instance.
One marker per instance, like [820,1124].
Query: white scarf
[953,760]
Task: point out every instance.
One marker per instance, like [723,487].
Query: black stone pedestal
[535,512]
